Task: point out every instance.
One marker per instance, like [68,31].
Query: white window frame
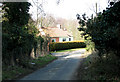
[54,40]
[63,39]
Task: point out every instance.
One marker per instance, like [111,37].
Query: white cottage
[57,34]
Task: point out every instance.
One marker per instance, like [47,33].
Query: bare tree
[40,11]
[49,21]
[71,26]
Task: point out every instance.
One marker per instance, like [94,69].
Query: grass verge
[17,72]
[94,68]
[67,50]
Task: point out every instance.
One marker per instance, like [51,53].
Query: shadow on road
[61,69]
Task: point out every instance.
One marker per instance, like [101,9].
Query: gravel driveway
[63,68]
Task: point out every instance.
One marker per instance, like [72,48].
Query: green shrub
[104,29]
[66,45]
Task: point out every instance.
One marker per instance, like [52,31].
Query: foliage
[90,46]
[71,25]
[14,72]
[103,29]
[16,13]
[92,68]
[66,45]
[19,34]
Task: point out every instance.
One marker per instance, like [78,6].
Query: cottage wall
[56,38]
[67,39]
[60,39]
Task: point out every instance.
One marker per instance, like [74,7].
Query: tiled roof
[56,32]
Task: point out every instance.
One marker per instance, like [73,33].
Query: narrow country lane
[61,69]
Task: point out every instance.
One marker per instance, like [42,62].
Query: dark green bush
[67,45]
[19,33]
[104,29]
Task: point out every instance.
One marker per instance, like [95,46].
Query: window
[53,40]
[69,39]
[64,39]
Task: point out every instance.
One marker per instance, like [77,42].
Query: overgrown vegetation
[21,41]
[103,31]
[92,68]
[67,45]
[15,72]
[18,37]
[19,34]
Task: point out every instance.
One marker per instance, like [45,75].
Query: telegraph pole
[96,8]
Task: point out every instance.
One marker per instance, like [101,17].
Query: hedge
[66,45]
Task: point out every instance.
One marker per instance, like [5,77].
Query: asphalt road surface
[63,68]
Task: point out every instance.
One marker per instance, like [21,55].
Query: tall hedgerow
[104,29]
[19,34]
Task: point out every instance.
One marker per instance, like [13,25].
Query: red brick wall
[57,39]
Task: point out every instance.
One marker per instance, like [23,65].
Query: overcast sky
[69,8]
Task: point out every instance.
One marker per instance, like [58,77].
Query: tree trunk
[32,55]
[12,59]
